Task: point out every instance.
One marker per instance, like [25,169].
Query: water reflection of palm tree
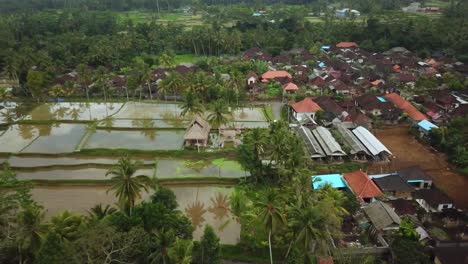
[147,126]
[25,131]
[75,113]
[108,123]
[8,115]
[44,130]
[60,113]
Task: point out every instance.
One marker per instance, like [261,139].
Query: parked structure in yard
[362,186]
[328,143]
[382,217]
[416,177]
[375,147]
[394,185]
[197,133]
[335,180]
[313,147]
[433,200]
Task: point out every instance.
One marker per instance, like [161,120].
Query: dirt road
[409,152]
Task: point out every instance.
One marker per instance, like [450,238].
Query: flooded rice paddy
[70,168]
[201,204]
[131,139]
[74,111]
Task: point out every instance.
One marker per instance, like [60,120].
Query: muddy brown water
[202,204]
[409,152]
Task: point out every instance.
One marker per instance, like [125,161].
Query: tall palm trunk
[269,243]
[149,89]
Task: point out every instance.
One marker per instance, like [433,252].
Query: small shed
[197,133]
[416,177]
[425,127]
[382,216]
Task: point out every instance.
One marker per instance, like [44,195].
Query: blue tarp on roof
[325,48]
[334,179]
[321,64]
[426,125]
[381,99]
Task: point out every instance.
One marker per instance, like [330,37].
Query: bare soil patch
[409,152]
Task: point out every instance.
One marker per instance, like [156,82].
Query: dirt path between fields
[409,152]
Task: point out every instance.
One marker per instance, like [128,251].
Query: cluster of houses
[387,198]
[357,75]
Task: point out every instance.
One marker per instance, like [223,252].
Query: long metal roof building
[311,143]
[356,146]
[374,145]
[328,142]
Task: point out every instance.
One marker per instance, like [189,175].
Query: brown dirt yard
[409,152]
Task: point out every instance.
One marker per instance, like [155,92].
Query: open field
[409,152]
[136,17]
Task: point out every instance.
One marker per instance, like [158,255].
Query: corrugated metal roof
[328,142]
[370,141]
[351,140]
[311,143]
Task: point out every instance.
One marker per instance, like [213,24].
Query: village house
[252,78]
[444,99]
[197,133]
[378,106]
[305,110]
[414,114]
[347,45]
[404,207]
[362,186]
[382,217]
[329,105]
[334,180]
[275,76]
[433,200]
[290,88]
[416,177]
[376,148]
[394,185]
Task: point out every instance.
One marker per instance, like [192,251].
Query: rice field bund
[67,148]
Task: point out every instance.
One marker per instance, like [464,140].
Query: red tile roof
[347,45]
[361,185]
[406,106]
[306,106]
[275,74]
[290,87]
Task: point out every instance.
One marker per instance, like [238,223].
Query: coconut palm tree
[164,241]
[99,212]
[126,186]
[191,105]
[167,60]
[271,215]
[181,251]
[67,225]
[30,232]
[172,83]
[84,77]
[219,114]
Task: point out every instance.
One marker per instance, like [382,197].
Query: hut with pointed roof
[197,133]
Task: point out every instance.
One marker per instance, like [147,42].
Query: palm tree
[99,212]
[309,229]
[219,114]
[30,233]
[172,83]
[164,241]
[167,60]
[181,251]
[101,79]
[126,186]
[191,105]
[84,77]
[67,225]
[271,215]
